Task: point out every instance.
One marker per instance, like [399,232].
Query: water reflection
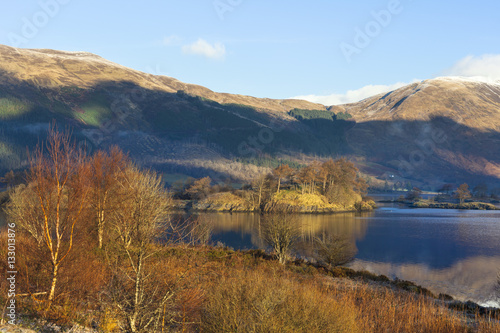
[435,237]
[242,231]
[469,279]
[448,251]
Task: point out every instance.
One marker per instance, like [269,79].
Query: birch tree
[136,224]
[106,168]
[50,206]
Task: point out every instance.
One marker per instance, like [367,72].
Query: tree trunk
[53,284]
[260,195]
[137,295]
[100,222]
[100,228]
[279,184]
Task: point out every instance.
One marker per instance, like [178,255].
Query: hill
[445,129]
[160,121]
[437,131]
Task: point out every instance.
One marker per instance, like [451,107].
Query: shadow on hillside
[439,149]
[150,123]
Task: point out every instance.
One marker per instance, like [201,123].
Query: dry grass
[263,302]
[246,292]
[225,201]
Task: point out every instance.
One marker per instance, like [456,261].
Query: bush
[334,250]
[253,302]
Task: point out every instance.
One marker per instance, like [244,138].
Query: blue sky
[278,49]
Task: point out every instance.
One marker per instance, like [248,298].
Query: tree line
[338,180]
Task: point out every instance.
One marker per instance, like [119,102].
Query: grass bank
[449,205]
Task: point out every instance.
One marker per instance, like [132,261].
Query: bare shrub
[334,250]
[280,230]
[259,302]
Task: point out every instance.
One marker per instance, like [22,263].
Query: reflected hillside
[470,279]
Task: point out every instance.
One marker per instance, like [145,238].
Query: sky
[328,51]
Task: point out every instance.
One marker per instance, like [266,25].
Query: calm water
[447,251]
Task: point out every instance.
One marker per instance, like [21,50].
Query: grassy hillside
[147,123]
[430,133]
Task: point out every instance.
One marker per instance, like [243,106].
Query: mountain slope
[432,132]
[161,121]
[445,129]
[470,102]
[58,69]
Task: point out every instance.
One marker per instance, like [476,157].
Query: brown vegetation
[280,230]
[49,207]
[218,290]
[334,250]
[463,193]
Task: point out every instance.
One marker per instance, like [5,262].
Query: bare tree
[105,170]
[280,230]
[200,188]
[334,250]
[201,229]
[259,185]
[282,172]
[53,202]
[137,223]
[463,193]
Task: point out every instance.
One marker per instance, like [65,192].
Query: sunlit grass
[93,114]
[11,107]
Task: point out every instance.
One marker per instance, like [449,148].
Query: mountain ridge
[442,96]
[428,132]
[145,80]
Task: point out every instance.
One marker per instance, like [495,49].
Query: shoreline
[444,205]
[197,206]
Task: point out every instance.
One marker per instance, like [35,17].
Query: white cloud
[203,48]
[486,66]
[483,68]
[353,95]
